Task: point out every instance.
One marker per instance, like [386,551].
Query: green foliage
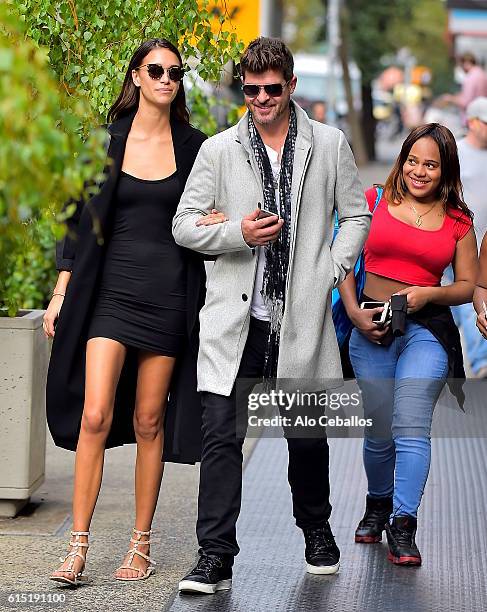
[43,162]
[30,273]
[379,29]
[372,32]
[90,43]
[59,74]
[306,20]
[425,36]
[200,116]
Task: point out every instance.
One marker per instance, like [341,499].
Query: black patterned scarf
[277,253]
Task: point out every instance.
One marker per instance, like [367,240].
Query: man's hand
[259,232]
[482,324]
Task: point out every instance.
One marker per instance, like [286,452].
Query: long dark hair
[128,100]
[450,190]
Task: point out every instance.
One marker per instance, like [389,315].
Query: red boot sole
[368,539]
[403,560]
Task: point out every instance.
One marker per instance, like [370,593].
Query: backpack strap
[379,190]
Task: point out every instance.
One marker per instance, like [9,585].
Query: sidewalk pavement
[31,543]
[270,574]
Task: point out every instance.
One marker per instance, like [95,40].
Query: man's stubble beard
[281,109]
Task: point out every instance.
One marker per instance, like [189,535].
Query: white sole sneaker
[322,570]
[191,586]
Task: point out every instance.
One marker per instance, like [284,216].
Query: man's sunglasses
[156,71]
[273,89]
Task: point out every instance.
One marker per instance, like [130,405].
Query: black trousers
[220,489]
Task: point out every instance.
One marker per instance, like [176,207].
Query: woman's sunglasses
[273,89]
[156,71]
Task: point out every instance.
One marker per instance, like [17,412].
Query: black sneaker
[400,537]
[322,553]
[212,573]
[377,512]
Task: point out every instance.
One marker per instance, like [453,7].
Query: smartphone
[381,317]
[266,213]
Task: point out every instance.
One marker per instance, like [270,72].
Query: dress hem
[139,346]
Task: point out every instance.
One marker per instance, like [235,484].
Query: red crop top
[408,254]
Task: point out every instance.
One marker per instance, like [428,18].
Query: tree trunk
[356,133]
[368,121]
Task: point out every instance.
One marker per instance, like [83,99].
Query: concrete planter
[24,357]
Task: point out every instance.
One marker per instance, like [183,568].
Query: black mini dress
[141,300]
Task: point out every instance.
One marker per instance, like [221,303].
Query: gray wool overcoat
[325,179]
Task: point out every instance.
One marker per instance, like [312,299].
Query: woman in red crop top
[420,226]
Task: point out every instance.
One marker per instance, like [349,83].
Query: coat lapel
[100,205]
[301,156]
[184,150]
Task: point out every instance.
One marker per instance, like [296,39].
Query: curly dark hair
[267,54]
[128,99]
[450,190]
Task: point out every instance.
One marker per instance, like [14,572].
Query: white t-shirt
[473,171]
[257,308]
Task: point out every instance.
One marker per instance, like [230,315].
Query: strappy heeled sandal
[76,577]
[134,551]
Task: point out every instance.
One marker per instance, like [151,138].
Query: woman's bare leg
[104,362]
[153,383]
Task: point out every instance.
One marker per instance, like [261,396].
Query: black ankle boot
[377,512]
[400,537]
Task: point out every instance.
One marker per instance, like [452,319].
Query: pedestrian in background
[319,111]
[472,152]
[474,84]
[420,226]
[268,311]
[480,293]
[124,310]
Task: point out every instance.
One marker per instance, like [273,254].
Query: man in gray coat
[276,180]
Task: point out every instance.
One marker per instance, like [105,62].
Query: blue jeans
[400,385]
[466,318]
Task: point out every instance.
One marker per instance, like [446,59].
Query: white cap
[477,109]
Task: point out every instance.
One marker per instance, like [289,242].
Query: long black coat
[84,256]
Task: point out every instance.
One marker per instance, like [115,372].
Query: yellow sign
[241,17]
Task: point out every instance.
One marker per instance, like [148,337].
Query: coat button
[245,297]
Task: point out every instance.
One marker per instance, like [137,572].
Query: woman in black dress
[125,309]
